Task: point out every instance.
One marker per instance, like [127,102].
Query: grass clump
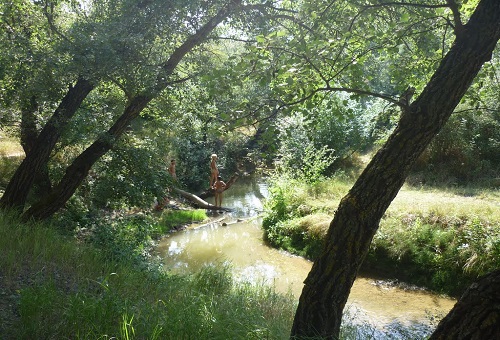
[171,219]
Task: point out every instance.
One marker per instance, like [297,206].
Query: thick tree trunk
[28,125]
[328,285]
[36,160]
[78,170]
[29,134]
[476,316]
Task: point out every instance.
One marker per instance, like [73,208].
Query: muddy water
[240,243]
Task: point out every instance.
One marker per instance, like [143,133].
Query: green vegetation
[440,240]
[56,287]
[102,94]
[174,218]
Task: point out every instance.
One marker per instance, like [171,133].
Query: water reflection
[241,244]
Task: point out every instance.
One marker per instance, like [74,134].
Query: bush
[465,151]
[442,253]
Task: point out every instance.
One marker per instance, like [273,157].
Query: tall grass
[63,289]
[439,239]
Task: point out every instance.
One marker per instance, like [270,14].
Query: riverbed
[236,238]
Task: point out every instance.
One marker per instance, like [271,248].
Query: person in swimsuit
[219,187]
[214,172]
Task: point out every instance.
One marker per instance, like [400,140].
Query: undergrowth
[435,239]
[57,287]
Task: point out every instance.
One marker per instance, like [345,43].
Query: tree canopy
[105,90]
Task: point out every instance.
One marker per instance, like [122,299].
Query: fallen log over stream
[198,201]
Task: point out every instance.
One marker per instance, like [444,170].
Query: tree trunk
[476,315]
[28,125]
[328,285]
[198,201]
[78,170]
[36,159]
[29,134]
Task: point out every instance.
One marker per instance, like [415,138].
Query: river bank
[240,244]
[441,240]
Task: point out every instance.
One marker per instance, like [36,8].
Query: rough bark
[36,159]
[476,316]
[28,125]
[78,170]
[29,134]
[328,285]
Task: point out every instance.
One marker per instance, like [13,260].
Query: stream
[240,242]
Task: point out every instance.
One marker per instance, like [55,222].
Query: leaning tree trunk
[36,159]
[78,170]
[328,285]
[29,134]
[476,315]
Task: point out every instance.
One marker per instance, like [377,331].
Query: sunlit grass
[10,146]
[174,218]
[484,203]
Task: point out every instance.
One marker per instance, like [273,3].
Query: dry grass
[484,203]
[452,202]
[10,147]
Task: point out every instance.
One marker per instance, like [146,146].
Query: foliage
[297,155]
[440,243]
[121,237]
[465,151]
[81,292]
[273,61]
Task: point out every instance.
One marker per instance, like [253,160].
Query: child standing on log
[219,186]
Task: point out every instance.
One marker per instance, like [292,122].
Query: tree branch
[458,27]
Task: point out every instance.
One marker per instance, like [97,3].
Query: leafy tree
[104,45]
[356,220]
